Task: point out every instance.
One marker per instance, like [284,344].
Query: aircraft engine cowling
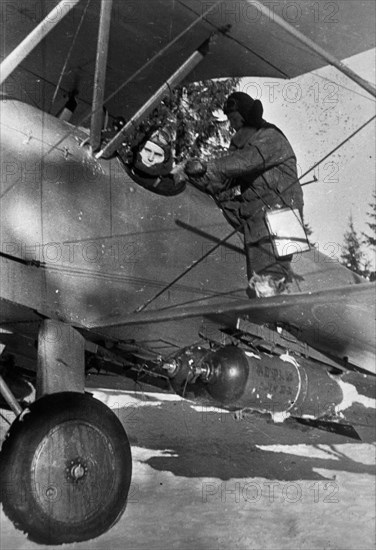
[279,385]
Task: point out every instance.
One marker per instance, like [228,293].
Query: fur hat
[250,109]
[163,139]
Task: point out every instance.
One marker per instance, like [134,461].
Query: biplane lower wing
[338,321]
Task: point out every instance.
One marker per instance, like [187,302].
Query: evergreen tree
[199,133]
[352,256]
[371,239]
[190,114]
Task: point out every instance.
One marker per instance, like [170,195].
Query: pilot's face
[152,154]
[236,120]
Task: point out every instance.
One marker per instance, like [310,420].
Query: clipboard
[287,231]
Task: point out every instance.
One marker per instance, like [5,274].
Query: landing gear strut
[65,465]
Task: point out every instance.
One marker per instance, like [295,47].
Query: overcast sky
[316,112]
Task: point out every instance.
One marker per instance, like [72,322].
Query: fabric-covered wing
[339,322]
[253,45]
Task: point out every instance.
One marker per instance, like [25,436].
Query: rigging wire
[136,73]
[307,51]
[113,278]
[340,85]
[301,47]
[239,42]
[24,90]
[5,419]
[337,147]
[233,232]
[68,56]
[240,227]
[160,53]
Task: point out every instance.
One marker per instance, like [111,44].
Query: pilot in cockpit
[150,164]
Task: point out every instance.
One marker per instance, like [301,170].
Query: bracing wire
[136,73]
[240,227]
[68,56]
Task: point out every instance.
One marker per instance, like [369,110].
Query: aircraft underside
[66,447]
[102,275]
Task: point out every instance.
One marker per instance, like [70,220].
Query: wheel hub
[76,470]
[70,461]
[64,462]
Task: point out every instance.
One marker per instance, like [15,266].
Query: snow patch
[250,354]
[279,417]
[203,408]
[351,396]
[123,398]
[287,358]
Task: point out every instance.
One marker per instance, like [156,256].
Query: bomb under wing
[282,385]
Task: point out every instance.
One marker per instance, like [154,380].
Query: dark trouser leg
[262,260]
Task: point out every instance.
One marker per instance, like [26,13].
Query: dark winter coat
[258,172]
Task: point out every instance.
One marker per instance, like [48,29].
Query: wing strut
[7,394]
[32,40]
[316,48]
[175,79]
[100,74]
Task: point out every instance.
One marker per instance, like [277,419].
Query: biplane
[99,272]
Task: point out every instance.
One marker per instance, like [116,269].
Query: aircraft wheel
[65,469]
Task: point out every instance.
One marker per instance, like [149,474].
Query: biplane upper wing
[149,40]
[339,322]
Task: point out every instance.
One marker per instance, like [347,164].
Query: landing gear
[65,469]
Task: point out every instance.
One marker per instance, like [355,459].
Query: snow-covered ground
[204,480]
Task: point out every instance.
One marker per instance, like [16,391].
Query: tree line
[353,255]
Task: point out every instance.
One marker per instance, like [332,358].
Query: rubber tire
[47,426]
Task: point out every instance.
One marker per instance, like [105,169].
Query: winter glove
[195,168]
[179,174]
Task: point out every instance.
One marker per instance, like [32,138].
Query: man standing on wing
[257,175]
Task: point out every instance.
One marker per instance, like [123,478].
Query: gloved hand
[179,174]
[195,168]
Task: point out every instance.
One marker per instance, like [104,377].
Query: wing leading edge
[339,322]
